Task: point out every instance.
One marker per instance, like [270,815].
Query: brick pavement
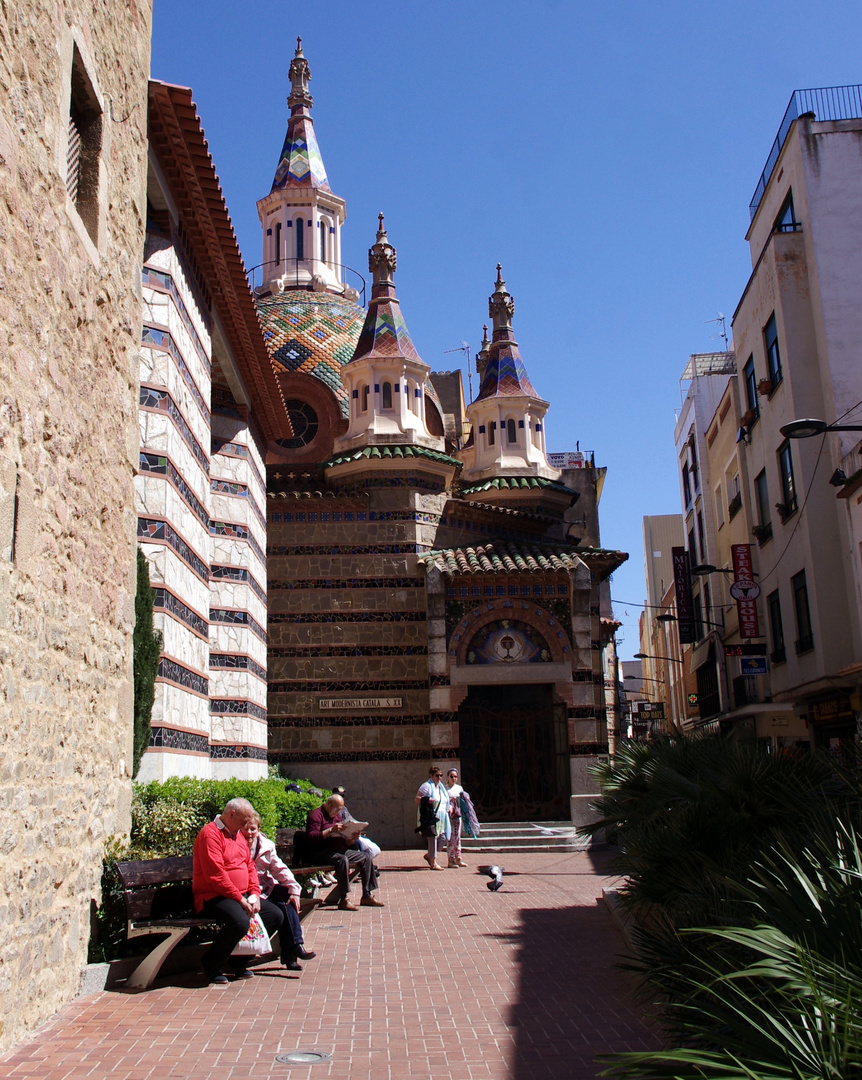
[449,980]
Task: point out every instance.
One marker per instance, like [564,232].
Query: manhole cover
[303,1057]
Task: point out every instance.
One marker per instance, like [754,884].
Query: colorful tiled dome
[312,333]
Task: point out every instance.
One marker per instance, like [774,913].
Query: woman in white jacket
[278,885]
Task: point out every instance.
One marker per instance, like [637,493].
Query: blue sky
[604,153]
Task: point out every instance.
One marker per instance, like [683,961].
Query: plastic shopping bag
[256,942]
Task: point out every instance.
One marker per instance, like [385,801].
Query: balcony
[829,103]
[734,506]
[762,533]
[786,509]
[778,656]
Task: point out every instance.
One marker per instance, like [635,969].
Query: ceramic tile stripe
[341,549]
[237,662]
[312,756]
[291,584]
[173,672]
[276,617]
[324,686]
[171,739]
[234,617]
[162,281]
[155,337]
[160,465]
[235,449]
[157,529]
[228,752]
[238,574]
[351,650]
[505,374]
[166,601]
[236,707]
[160,400]
[273,720]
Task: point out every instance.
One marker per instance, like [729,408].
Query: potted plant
[764,387]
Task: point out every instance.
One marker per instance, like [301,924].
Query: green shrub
[146,650]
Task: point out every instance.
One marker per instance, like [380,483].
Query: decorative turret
[482,354]
[386,377]
[507,417]
[301,218]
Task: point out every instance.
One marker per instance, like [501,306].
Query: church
[436,590]
[357,572]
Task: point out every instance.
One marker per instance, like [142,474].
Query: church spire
[300,164]
[504,374]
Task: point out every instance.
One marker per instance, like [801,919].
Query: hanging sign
[745,590]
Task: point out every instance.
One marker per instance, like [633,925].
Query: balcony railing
[762,533]
[735,505]
[303,270]
[828,103]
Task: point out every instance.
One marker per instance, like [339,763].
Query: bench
[158,895]
[284,846]
[159,900]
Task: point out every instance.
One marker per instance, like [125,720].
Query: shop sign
[360,703]
[682,589]
[745,590]
[834,709]
[753,665]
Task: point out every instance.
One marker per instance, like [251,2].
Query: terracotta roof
[178,141]
[514,483]
[504,557]
[377,452]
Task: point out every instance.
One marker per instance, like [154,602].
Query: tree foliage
[147,647]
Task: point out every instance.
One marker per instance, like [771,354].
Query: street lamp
[649,656]
[807,429]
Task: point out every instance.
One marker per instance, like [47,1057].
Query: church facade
[436,588]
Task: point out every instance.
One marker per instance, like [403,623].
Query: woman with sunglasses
[432,800]
[453,848]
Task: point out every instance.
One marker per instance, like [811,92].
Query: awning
[700,654]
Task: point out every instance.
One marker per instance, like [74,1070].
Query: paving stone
[447,980]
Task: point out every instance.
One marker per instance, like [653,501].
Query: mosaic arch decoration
[508,641]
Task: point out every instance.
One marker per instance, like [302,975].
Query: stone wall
[70,326]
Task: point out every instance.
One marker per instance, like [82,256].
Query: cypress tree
[147,647]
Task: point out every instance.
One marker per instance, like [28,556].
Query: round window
[303,420]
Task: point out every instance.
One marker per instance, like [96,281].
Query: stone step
[524,836]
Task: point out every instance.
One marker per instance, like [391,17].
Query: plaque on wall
[360,703]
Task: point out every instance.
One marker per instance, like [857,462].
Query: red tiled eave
[178,141]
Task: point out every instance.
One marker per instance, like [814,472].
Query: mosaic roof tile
[393,452]
[300,163]
[505,374]
[385,332]
[514,483]
[312,333]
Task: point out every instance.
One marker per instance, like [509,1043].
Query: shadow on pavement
[573,1000]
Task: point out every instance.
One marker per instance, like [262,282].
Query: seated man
[280,887]
[226,889]
[324,827]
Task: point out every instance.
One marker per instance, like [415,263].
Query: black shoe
[300,953]
[292,965]
[244,975]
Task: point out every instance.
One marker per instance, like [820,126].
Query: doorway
[515,753]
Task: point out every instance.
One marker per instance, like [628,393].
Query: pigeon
[496,875]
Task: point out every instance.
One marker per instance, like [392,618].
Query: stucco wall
[70,324]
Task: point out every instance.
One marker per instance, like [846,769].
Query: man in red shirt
[226,889]
[324,826]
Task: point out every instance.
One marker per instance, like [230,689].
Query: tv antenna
[723,323]
[464,347]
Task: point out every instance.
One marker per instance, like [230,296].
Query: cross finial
[298,45]
[380,219]
[499,273]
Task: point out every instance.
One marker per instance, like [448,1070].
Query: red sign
[746,590]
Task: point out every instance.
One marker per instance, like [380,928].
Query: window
[698,616]
[773,353]
[707,605]
[365,398]
[786,220]
[734,495]
[686,485]
[387,395]
[322,230]
[511,431]
[278,241]
[84,147]
[763,528]
[692,548]
[804,637]
[719,508]
[300,238]
[776,628]
[750,381]
[701,536]
[491,429]
[692,446]
[788,487]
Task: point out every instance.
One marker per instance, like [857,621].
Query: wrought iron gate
[515,753]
